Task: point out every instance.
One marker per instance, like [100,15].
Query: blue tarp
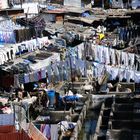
[51,7]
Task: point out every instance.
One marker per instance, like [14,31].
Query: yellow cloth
[101,36]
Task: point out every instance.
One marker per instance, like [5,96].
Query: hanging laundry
[129,75]
[131,59]
[31,76]
[112,56]
[107,58]
[47,131]
[21,78]
[16,81]
[43,73]
[81,50]
[56,72]
[54,132]
[98,50]
[39,75]
[115,72]
[26,78]
[118,57]
[137,77]
[124,59]
[36,76]
[121,74]
[104,55]
[109,70]
[101,70]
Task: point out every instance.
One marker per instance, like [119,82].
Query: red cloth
[7,129]
[9,133]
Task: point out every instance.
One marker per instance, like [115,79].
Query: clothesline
[10,51]
[114,72]
[38,71]
[107,55]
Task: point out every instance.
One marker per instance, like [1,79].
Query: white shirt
[87,87]
[70,93]
[90,72]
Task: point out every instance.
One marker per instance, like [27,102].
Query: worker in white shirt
[87,87]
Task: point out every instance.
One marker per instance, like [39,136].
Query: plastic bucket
[51,96]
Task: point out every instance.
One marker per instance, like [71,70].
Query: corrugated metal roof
[56,11]
[76,10]
[85,19]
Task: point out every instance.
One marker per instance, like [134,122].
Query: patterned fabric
[26,78]
[31,77]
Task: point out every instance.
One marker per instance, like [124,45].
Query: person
[90,73]
[109,87]
[44,99]
[69,100]
[87,87]
[102,81]
[122,89]
[69,92]
[20,94]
